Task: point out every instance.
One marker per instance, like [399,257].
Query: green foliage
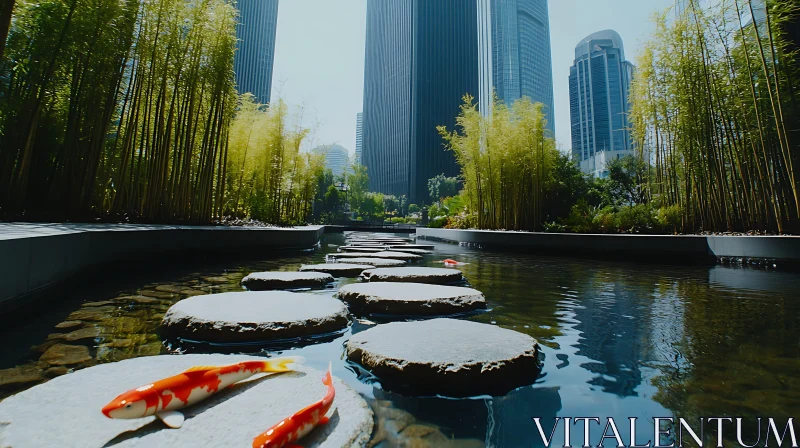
[358,182]
[434,211]
[506,162]
[438,223]
[372,208]
[440,187]
[713,106]
[413,208]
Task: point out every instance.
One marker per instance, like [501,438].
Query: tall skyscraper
[421,59]
[359,136]
[258,23]
[521,61]
[336,158]
[599,81]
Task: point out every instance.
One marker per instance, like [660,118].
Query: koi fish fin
[324,420]
[199,369]
[328,379]
[283,364]
[173,419]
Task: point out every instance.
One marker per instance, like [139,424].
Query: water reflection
[620,340]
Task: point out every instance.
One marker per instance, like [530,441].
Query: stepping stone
[262,281]
[362,249]
[377,262]
[437,276]
[384,254]
[411,298]
[71,404]
[337,269]
[240,317]
[412,246]
[411,251]
[449,357]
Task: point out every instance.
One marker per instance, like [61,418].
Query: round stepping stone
[337,269]
[71,404]
[412,246]
[377,262]
[238,317]
[411,251]
[437,276]
[362,249]
[262,281]
[449,357]
[384,254]
[411,298]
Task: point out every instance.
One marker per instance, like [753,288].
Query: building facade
[421,59]
[521,63]
[359,136]
[599,81]
[336,158]
[255,31]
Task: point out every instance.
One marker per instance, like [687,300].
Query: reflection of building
[421,59]
[521,62]
[359,136]
[336,158]
[599,81]
[258,22]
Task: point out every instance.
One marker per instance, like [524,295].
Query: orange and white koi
[164,397]
[450,262]
[290,430]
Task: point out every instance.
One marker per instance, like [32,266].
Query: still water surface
[619,340]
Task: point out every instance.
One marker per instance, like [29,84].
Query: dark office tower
[258,22]
[421,59]
[386,126]
[521,62]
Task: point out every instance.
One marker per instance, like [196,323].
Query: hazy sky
[319,56]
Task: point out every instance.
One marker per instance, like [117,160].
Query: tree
[6,12]
[358,184]
[506,162]
[413,208]
[440,187]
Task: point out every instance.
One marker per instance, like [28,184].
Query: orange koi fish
[450,262]
[290,430]
[164,397]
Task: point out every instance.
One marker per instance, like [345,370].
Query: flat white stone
[414,275]
[65,411]
[254,316]
[411,298]
[384,254]
[261,281]
[446,356]
[376,262]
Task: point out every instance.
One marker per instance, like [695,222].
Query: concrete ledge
[35,257]
[689,249]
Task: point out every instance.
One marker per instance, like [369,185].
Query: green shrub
[636,219]
[438,223]
[463,221]
[670,218]
[397,220]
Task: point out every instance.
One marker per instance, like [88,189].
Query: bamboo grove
[506,160]
[125,108]
[715,112]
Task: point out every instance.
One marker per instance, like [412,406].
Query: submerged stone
[255,316]
[411,246]
[63,354]
[437,276]
[262,281]
[411,298]
[69,324]
[21,375]
[337,269]
[449,357]
[71,404]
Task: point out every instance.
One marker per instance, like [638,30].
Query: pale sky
[319,56]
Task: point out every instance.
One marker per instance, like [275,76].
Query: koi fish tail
[328,379]
[283,364]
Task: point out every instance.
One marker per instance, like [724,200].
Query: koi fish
[164,397]
[290,430]
[450,262]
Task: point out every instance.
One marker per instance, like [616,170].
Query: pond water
[619,340]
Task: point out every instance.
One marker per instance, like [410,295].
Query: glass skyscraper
[359,136]
[599,81]
[258,23]
[421,59]
[521,61]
